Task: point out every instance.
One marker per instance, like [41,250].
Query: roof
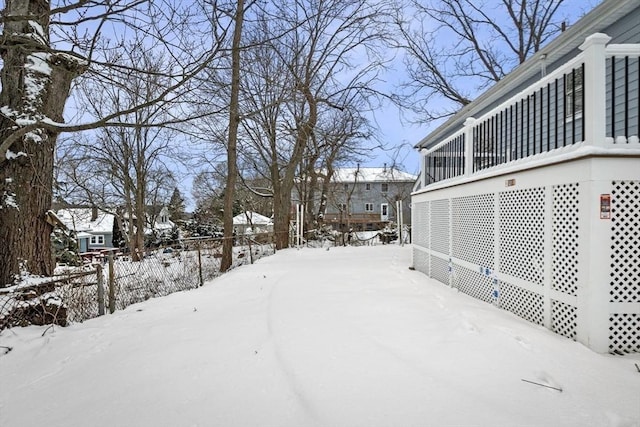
[79,219]
[372,175]
[601,17]
[254,217]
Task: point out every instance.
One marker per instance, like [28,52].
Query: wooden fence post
[112,285]
[100,277]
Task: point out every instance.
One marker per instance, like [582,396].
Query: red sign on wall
[605,206]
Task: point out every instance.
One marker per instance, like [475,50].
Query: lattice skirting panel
[623,333]
[421,261]
[564,319]
[556,252]
[440,269]
[625,242]
[565,235]
[526,304]
[473,283]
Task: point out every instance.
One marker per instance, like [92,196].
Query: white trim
[627,49]
[97,239]
[558,155]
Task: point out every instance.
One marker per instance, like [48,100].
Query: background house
[528,196]
[93,228]
[252,223]
[365,198]
[158,221]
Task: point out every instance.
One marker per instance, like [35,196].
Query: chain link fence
[112,281]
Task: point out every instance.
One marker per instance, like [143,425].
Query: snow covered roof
[372,175]
[255,219]
[79,219]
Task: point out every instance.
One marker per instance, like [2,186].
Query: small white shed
[252,223]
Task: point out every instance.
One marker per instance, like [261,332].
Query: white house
[252,223]
[528,197]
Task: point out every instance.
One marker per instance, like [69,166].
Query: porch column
[593,259]
[594,87]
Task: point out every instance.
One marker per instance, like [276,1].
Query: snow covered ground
[346,337]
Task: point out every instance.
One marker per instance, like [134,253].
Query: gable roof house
[93,228]
[158,220]
[528,197]
[364,198]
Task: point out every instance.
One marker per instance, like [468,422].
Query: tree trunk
[310,215]
[140,222]
[35,86]
[282,191]
[234,121]
[324,192]
[282,217]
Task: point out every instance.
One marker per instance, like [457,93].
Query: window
[573,93]
[368,207]
[385,187]
[367,186]
[97,240]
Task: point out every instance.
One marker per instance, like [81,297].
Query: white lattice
[625,242]
[473,237]
[420,227]
[524,303]
[421,261]
[440,270]
[473,283]
[623,333]
[522,234]
[440,226]
[563,319]
[564,235]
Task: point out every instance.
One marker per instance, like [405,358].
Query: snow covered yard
[346,337]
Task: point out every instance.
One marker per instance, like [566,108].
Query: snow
[79,219]
[8,200]
[344,337]
[246,218]
[372,175]
[11,156]
[38,62]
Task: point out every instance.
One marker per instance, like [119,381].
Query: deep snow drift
[346,337]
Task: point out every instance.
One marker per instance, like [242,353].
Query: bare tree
[454,49]
[232,142]
[44,46]
[337,141]
[307,70]
[123,169]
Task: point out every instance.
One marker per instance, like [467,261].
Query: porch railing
[594,99]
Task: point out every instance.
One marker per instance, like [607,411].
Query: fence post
[200,264]
[112,285]
[100,278]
